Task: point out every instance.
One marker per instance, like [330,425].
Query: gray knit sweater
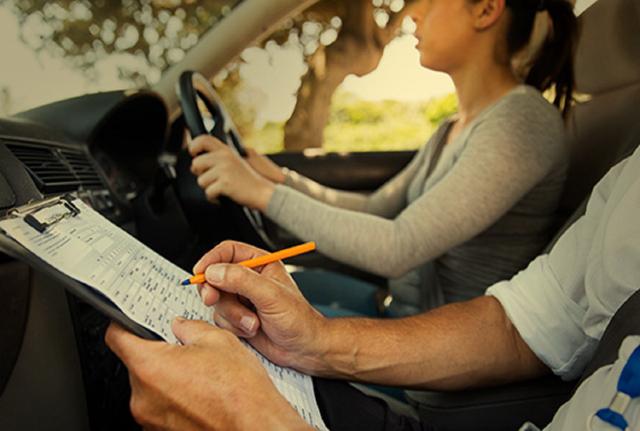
[486,209]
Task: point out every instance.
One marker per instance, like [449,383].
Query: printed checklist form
[142,284]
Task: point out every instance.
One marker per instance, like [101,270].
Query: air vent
[82,168]
[56,170]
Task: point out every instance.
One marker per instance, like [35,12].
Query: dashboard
[103,147]
[106,148]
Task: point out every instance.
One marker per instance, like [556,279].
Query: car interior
[123,153]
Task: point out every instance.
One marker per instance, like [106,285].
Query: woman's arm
[498,167]
[386,201]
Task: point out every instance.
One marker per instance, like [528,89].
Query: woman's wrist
[264,193]
[281,175]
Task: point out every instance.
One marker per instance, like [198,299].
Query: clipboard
[60,208]
[116,262]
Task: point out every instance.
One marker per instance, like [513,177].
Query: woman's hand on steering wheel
[264,166]
[221,172]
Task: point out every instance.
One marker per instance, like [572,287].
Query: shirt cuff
[546,318]
[291,177]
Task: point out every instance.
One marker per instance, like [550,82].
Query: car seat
[603,128]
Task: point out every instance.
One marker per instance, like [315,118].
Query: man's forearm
[457,346]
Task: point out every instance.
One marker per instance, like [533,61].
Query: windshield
[65,48]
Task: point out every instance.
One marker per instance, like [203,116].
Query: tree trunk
[305,128]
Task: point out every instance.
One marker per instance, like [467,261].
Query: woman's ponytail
[552,67]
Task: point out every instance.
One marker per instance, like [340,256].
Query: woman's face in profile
[445,31]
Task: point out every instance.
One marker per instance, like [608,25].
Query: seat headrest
[608,53]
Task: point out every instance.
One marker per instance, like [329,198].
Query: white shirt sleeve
[548,302]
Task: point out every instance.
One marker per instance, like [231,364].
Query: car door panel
[347,171]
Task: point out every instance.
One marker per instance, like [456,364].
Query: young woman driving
[475,204]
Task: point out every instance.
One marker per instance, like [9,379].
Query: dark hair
[553,65]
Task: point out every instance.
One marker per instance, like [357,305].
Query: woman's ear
[487,13]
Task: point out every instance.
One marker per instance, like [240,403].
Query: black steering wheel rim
[192,87]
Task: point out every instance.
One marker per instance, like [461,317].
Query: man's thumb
[191,331]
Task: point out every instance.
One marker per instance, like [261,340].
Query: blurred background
[343,76]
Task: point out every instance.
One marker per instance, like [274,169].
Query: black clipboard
[82,291]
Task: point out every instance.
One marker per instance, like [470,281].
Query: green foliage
[360,125]
[234,94]
[155,32]
[268,140]
[441,109]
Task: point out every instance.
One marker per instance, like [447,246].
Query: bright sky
[400,76]
[34,79]
[582,5]
[274,75]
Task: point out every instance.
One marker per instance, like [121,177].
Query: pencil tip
[185,283]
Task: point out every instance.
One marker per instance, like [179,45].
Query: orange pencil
[262,260]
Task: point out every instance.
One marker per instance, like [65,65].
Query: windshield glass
[59,49]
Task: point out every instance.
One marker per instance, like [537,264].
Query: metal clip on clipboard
[43,214]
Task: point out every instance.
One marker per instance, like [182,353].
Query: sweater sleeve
[506,155]
[387,201]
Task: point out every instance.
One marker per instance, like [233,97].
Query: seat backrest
[624,150]
[604,128]
[608,92]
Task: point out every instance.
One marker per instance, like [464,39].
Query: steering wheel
[197,95]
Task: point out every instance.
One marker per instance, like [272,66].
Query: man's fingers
[125,345]
[191,331]
[210,296]
[278,271]
[224,324]
[227,252]
[262,291]
[203,143]
[236,315]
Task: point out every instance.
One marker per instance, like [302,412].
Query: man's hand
[262,305]
[212,382]
[220,171]
[454,347]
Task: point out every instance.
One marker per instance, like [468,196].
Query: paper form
[144,285]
